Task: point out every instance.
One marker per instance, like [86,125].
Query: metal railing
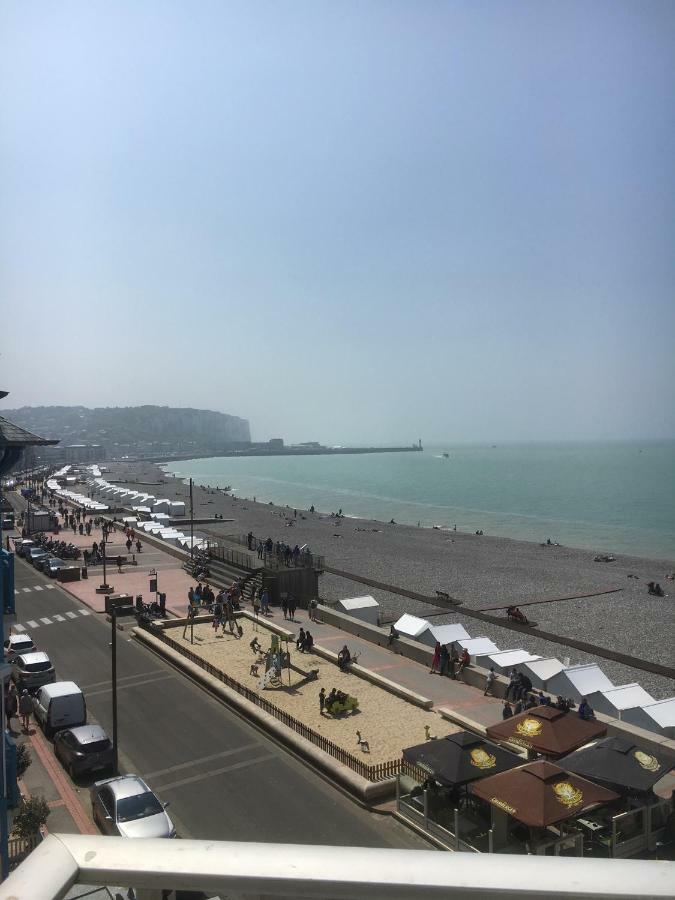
[230,868]
[274,560]
[375,772]
[234,557]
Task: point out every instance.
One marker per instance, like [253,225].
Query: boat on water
[446,456]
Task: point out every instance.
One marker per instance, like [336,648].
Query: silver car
[126,806]
[17,644]
[31,670]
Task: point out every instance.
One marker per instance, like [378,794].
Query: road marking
[130,685]
[204,775]
[18,627]
[26,590]
[59,618]
[96,684]
[83,612]
[71,615]
[201,760]
[46,621]
[37,587]
[33,624]
[50,587]
[16,591]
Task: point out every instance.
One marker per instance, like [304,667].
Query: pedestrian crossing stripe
[38,587]
[18,628]
[33,624]
[71,615]
[46,620]
[59,618]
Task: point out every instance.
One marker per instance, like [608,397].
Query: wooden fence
[376,772]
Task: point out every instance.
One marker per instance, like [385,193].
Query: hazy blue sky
[345,221]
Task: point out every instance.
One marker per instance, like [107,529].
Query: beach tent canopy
[504,660]
[547,730]
[477,646]
[460,758]
[621,764]
[448,634]
[617,700]
[410,626]
[539,671]
[579,681]
[659,717]
[541,794]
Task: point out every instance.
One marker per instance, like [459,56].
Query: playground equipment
[342,703]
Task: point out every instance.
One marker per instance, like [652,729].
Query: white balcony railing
[230,869]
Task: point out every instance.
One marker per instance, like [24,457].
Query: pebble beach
[479,570]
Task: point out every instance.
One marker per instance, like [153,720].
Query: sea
[610,497]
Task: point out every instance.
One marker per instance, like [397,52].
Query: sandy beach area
[388,723]
[480,570]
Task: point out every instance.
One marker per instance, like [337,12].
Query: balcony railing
[256,871]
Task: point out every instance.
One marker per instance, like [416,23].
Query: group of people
[516,615]
[305,641]
[326,701]
[520,698]
[17,705]
[449,662]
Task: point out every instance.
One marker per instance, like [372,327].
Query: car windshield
[95,746]
[38,667]
[138,807]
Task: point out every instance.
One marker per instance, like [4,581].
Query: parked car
[34,554]
[23,546]
[126,806]
[59,705]
[16,644]
[32,670]
[84,750]
[52,565]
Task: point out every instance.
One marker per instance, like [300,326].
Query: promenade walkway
[445,693]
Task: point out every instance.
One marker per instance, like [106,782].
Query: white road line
[132,684]
[58,618]
[107,683]
[16,591]
[46,621]
[83,612]
[241,765]
[33,624]
[50,587]
[201,760]
[71,615]
[37,587]
[26,590]
[18,627]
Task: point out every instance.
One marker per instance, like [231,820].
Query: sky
[353,222]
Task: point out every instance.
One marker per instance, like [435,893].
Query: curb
[366,791]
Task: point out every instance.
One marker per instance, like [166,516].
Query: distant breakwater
[286,451]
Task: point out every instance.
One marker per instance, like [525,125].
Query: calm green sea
[616,497]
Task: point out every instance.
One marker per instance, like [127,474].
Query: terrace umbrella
[621,764]
[547,730]
[459,758]
[540,794]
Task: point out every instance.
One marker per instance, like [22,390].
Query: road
[224,779]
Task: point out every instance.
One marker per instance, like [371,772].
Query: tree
[32,815]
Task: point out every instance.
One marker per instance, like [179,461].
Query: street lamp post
[113,645]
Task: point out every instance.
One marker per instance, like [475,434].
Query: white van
[59,705]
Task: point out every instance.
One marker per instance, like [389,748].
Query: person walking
[436,659]
[443,660]
[265,602]
[313,604]
[119,564]
[454,659]
[11,705]
[284,605]
[25,709]
[489,681]
[322,700]
[129,545]
[291,607]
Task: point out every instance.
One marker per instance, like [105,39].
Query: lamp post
[113,646]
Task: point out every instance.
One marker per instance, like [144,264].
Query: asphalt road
[224,779]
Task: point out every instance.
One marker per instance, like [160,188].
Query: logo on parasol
[567,794]
[482,759]
[650,763]
[529,727]
[502,804]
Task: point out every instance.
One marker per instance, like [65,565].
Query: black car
[84,749]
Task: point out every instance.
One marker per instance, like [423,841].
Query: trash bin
[84,572]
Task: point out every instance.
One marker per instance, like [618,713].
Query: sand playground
[388,723]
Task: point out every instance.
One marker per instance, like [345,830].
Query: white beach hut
[479,645]
[579,681]
[366,608]
[539,671]
[161,506]
[446,634]
[160,517]
[177,508]
[410,626]
[658,717]
[504,660]
[617,700]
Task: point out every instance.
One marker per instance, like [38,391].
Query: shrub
[23,760]
[32,815]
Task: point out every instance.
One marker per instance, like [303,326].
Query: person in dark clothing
[507,711]
[444,659]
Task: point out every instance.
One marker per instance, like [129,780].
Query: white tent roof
[588,679]
[478,646]
[447,634]
[626,696]
[545,668]
[411,625]
[508,658]
[359,602]
[663,712]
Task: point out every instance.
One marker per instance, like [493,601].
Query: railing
[274,560]
[19,848]
[235,557]
[374,772]
[231,868]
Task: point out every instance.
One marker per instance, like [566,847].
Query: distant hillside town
[87,435]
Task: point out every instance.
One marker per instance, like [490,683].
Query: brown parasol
[547,730]
[541,793]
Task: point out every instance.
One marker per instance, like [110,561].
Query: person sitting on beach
[655,589]
[344,658]
[309,643]
[585,711]
[255,645]
[507,711]
[300,643]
